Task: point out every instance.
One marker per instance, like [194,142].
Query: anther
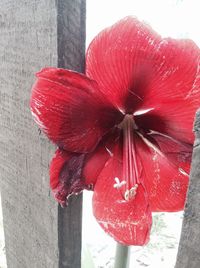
[130,194]
[118,183]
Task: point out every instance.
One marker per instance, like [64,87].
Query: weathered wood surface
[38,233]
[71,51]
[189,247]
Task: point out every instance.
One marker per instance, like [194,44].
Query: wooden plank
[38,233]
[71,48]
[189,246]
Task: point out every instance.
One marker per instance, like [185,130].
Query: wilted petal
[69,108]
[128,222]
[66,175]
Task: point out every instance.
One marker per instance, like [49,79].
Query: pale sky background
[175,18]
[170,18]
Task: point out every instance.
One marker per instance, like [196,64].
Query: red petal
[176,73]
[164,165]
[94,164]
[178,153]
[95,161]
[174,91]
[119,59]
[66,175]
[70,110]
[128,222]
[174,119]
[138,70]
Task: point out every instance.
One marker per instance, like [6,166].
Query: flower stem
[121,256]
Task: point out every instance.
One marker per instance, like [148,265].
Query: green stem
[122,256]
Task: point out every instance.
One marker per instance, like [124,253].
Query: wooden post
[35,34]
[189,247]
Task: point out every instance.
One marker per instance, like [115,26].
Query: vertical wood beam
[71,51]
[35,34]
[189,246]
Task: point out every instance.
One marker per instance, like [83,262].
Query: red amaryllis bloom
[125,128]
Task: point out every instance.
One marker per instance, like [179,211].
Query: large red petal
[128,222]
[176,72]
[69,108]
[164,165]
[120,60]
[173,93]
[138,70]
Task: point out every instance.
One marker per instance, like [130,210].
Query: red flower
[125,129]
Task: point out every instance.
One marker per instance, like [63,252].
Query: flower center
[130,177]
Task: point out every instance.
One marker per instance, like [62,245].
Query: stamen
[183,172]
[164,135]
[130,173]
[143,111]
[110,153]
